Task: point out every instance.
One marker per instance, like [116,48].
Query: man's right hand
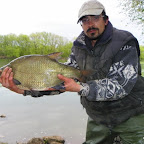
[6,79]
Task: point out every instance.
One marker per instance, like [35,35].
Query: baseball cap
[91,7]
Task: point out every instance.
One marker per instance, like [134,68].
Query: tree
[10,46]
[134,9]
[37,43]
[24,44]
[142,53]
[2,49]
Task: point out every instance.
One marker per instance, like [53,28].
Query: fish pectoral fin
[16,82]
[59,87]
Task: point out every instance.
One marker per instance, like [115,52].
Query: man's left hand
[69,84]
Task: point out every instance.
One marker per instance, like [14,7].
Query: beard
[93,36]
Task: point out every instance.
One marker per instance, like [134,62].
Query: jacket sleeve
[72,61]
[120,80]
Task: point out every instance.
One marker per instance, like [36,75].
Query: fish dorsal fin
[55,55]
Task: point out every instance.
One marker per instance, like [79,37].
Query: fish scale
[39,72]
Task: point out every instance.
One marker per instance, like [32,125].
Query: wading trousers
[130,132]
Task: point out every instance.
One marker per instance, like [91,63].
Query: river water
[28,117]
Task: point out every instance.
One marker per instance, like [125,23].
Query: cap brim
[90,12]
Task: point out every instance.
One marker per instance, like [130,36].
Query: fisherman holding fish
[113,94]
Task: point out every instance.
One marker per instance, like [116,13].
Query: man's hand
[6,79]
[69,84]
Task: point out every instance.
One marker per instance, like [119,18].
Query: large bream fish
[38,72]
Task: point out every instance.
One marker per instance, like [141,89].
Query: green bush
[142,53]
[36,43]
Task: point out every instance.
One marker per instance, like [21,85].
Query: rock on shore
[46,140]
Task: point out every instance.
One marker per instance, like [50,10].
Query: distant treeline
[12,46]
[44,43]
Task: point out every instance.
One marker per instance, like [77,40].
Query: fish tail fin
[86,73]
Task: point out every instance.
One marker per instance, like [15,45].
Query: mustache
[92,28]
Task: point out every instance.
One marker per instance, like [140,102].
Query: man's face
[93,26]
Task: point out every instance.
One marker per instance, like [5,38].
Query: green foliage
[9,45]
[142,53]
[36,43]
[134,9]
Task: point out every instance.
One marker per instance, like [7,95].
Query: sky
[55,16]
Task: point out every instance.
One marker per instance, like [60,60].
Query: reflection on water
[28,117]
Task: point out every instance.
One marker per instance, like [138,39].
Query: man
[113,95]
